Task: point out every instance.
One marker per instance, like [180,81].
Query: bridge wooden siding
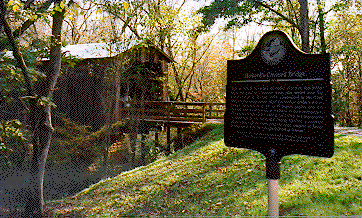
[173,112]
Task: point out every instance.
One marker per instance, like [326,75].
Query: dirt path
[352,131]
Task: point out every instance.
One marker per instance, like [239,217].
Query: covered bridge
[100,78]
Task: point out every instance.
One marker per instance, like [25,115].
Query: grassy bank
[209,179]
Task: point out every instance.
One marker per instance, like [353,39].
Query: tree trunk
[348,117]
[119,71]
[116,113]
[321,27]
[34,206]
[35,186]
[360,92]
[304,25]
[41,124]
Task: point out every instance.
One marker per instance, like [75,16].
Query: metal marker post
[273,203]
[273,176]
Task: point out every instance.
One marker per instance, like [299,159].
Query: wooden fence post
[168,106]
[204,112]
[168,133]
[210,110]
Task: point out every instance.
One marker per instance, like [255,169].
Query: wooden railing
[172,111]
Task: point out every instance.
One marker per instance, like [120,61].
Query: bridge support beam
[144,151]
[157,140]
[133,145]
[168,136]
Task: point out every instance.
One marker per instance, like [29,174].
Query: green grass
[210,179]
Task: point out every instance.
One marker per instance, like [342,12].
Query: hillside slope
[210,179]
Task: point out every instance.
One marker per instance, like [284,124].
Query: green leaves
[12,82]
[70,60]
[340,6]
[13,140]
[59,7]
[41,101]
[11,129]
[240,11]
[45,101]
[345,48]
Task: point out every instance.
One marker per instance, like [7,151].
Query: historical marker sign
[278,99]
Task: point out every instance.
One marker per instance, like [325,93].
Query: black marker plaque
[278,100]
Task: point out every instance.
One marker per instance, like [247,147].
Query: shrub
[14,145]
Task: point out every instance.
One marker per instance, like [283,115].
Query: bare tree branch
[277,12]
[27,4]
[295,15]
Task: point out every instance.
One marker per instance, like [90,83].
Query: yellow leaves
[73,11]
[33,17]
[58,8]
[125,5]
[14,5]
[62,5]
[16,8]
[11,2]
[103,19]
[99,11]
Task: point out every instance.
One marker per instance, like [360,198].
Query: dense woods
[195,38]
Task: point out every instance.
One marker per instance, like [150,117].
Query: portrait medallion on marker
[273,50]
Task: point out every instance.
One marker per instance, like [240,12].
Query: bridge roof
[101,50]
[98,50]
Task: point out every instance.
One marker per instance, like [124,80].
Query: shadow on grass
[192,195]
[211,189]
[338,136]
[215,134]
[209,179]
